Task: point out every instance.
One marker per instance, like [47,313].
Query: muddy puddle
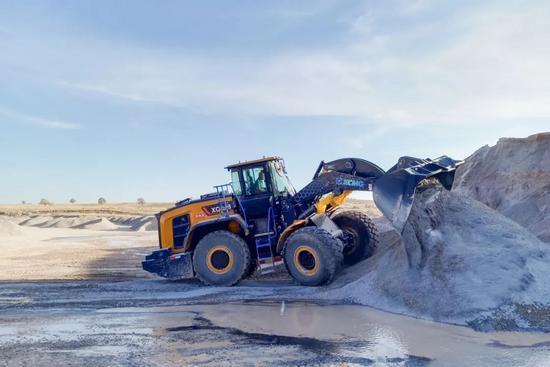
[241,334]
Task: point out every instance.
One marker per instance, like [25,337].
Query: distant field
[114,208]
[124,208]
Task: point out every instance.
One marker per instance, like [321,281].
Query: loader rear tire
[312,256]
[361,232]
[221,258]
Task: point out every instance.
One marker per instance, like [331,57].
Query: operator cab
[262,187]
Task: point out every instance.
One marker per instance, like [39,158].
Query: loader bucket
[393,193]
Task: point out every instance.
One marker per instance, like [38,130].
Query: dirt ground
[74,254]
[79,297]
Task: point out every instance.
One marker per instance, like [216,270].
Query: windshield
[281,182]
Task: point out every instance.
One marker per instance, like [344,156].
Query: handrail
[270,222]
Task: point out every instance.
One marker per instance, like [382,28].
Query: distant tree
[44,202]
[23,202]
[101,201]
[141,201]
[72,201]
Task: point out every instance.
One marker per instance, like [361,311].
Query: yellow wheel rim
[306,260]
[219,259]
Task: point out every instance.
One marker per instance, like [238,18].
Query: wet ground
[73,297]
[154,322]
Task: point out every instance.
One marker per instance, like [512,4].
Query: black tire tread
[245,253]
[333,245]
[338,253]
[368,222]
[253,265]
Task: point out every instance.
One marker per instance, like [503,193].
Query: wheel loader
[259,221]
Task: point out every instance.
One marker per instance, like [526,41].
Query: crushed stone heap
[458,260]
[512,177]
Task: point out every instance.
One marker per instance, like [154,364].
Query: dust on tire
[240,257]
[365,233]
[328,250]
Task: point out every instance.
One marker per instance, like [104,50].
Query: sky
[127,99]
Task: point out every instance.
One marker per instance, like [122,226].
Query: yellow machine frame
[198,217]
[232,222]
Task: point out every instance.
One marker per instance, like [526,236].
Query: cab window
[236,183]
[254,180]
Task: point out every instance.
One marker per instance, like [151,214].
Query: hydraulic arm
[393,191]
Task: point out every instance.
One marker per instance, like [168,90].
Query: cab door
[256,195]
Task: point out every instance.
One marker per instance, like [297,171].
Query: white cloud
[37,121]
[480,65]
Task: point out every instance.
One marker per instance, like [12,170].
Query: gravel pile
[458,261]
[512,177]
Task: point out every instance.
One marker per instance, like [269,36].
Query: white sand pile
[73,221]
[148,224]
[125,220]
[136,223]
[100,224]
[50,222]
[9,228]
[140,224]
[512,177]
[460,261]
[133,223]
[37,221]
[18,219]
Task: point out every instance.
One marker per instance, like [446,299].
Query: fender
[288,231]
[233,217]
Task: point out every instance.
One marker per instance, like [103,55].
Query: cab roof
[255,161]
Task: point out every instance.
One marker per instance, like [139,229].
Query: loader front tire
[251,268]
[361,235]
[221,258]
[312,256]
